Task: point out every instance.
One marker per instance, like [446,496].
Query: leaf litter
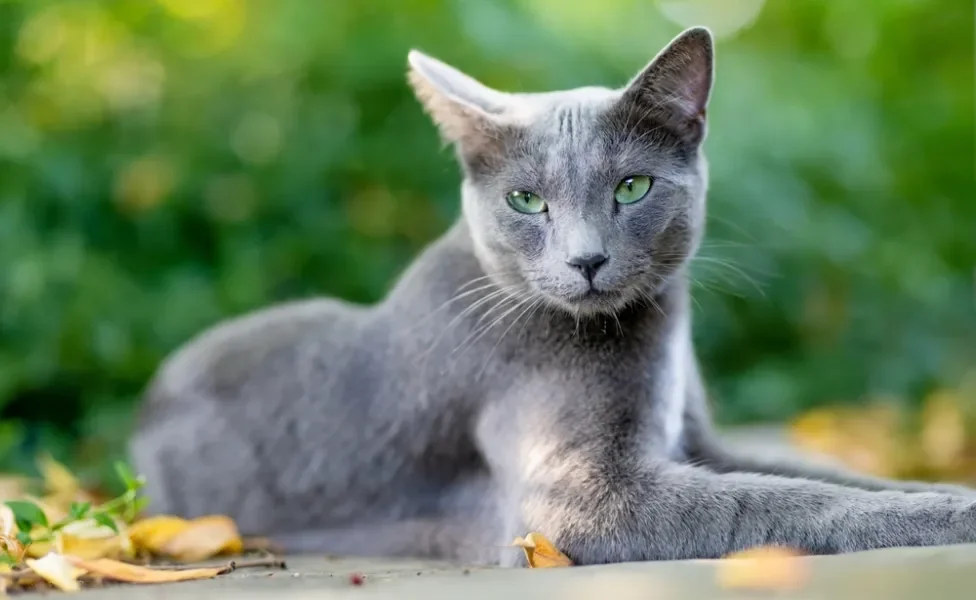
[68,538]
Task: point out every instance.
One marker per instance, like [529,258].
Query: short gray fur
[497,390]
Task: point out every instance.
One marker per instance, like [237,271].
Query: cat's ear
[465,110]
[675,86]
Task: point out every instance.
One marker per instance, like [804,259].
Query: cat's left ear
[675,86]
[467,112]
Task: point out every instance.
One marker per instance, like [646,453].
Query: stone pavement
[943,573]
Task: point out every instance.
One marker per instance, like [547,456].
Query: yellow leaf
[11,546]
[54,508]
[86,539]
[120,571]
[4,582]
[8,524]
[187,541]
[943,435]
[91,548]
[58,571]
[152,534]
[204,538]
[13,487]
[58,479]
[765,568]
[817,431]
[540,552]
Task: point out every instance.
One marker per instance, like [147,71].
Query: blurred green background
[168,163]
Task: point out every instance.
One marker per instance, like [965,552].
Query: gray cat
[531,371]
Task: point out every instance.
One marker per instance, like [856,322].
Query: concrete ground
[946,573]
[942,573]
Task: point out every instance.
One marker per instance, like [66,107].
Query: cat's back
[327,348]
[266,347]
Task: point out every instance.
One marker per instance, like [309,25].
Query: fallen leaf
[57,570]
[540,552]
[120,571]
[764,568]
[13,487]
[86,539]
[57,478]
[8,523]
[204,538]
[864,439]
[12,548]
[943,434]
[187,541]
[152,533]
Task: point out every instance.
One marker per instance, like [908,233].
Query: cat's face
[592,197]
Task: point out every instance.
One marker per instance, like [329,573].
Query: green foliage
[33,525]
[168,163]
[27,514]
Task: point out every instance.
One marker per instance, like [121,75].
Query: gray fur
[487,395]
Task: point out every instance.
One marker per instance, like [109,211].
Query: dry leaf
[767,568]
[58,480]
[86,539]
[8,535]
[943,435]
[187,541]
[8,523]
[57,570]
[13,487]
[152,533]
[120,571]
[540,552]
[864,439]
[204,538]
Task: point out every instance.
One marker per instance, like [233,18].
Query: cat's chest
[636,391]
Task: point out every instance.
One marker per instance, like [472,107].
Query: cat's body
[532,371]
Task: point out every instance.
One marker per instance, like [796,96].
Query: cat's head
[591,197]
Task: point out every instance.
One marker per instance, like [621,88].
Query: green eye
[632,189]
[526,202]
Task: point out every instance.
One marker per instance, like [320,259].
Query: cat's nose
[587,264]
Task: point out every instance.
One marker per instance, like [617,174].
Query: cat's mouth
[595,299]
[591,298]
[595,293]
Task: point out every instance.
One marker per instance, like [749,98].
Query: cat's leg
[703,447]
[584,481]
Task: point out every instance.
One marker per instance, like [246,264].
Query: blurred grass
[167,163]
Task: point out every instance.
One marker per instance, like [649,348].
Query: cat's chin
[593,302]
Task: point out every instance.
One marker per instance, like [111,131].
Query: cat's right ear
[466,111]
[676,85]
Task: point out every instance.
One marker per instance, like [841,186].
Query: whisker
[534,302]
[478,334]
[464,313]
